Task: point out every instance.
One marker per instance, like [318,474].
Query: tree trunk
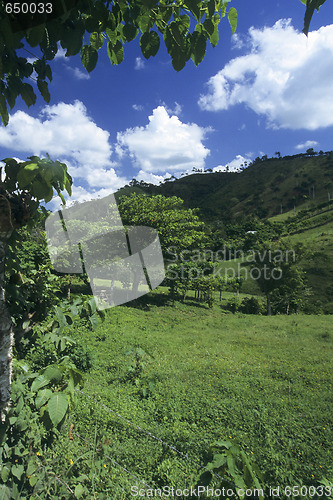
[6,334]
[269,307]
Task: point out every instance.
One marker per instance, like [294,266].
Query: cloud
[234,165]
[139,63]
[78,74]
[151,178]
[164,144]
[176,110]
[61,53]
[68,134]
[306,145]
[137,107]
[285,76]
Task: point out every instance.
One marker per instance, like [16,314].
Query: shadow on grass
[151,299]
[195,303]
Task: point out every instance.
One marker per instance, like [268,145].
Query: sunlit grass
[266,381]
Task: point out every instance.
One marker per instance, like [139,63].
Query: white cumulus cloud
[306,145]
[68,134]
[284,75]
[164,144]
[78,73]
[233,165]
[151,178]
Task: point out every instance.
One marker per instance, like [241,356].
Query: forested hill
[265,188]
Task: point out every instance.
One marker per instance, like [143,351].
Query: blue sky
[267,88]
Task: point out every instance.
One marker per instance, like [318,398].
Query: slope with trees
[185,29]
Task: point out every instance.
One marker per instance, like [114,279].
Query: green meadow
[193,376]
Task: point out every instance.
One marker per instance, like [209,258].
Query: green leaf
[92,305]
[178,60]
[57,407]
[231,465]
[211,7]
[232,18]
[79,491]
[68,184]
[216,19]
[72,41]
[209,26]
[41,191]
[311,5]
[130,32]
[39,382]
[33,480]
[94,320]
[184,24]
[3,110]
[91,24]
[10,95]
[149,43]
[144,21]
[113,35]
[28,94]
[32,466]
[35,35]
[17,471]
[173,26]
[5,473]
[31,167]
[193,5]
[115,52]
[42,397]
[214,37]
[5,493]
[96,40]
[53,373]
[89,57]
[44,90]
[198,47]
[26,175]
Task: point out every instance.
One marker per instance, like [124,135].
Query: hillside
[295,192]
[266,188]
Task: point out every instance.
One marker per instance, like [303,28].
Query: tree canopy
[185,27]
[177,227]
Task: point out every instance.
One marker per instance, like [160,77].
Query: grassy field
[202,376]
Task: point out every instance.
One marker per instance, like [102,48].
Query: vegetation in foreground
[192,377]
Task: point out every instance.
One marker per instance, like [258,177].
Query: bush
[42,352]
[250,305]
[233,304]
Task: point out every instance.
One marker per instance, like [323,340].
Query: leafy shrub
[136,371]
[231,462]
[233,304]
[40,404]
[81,357]
[250,305]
